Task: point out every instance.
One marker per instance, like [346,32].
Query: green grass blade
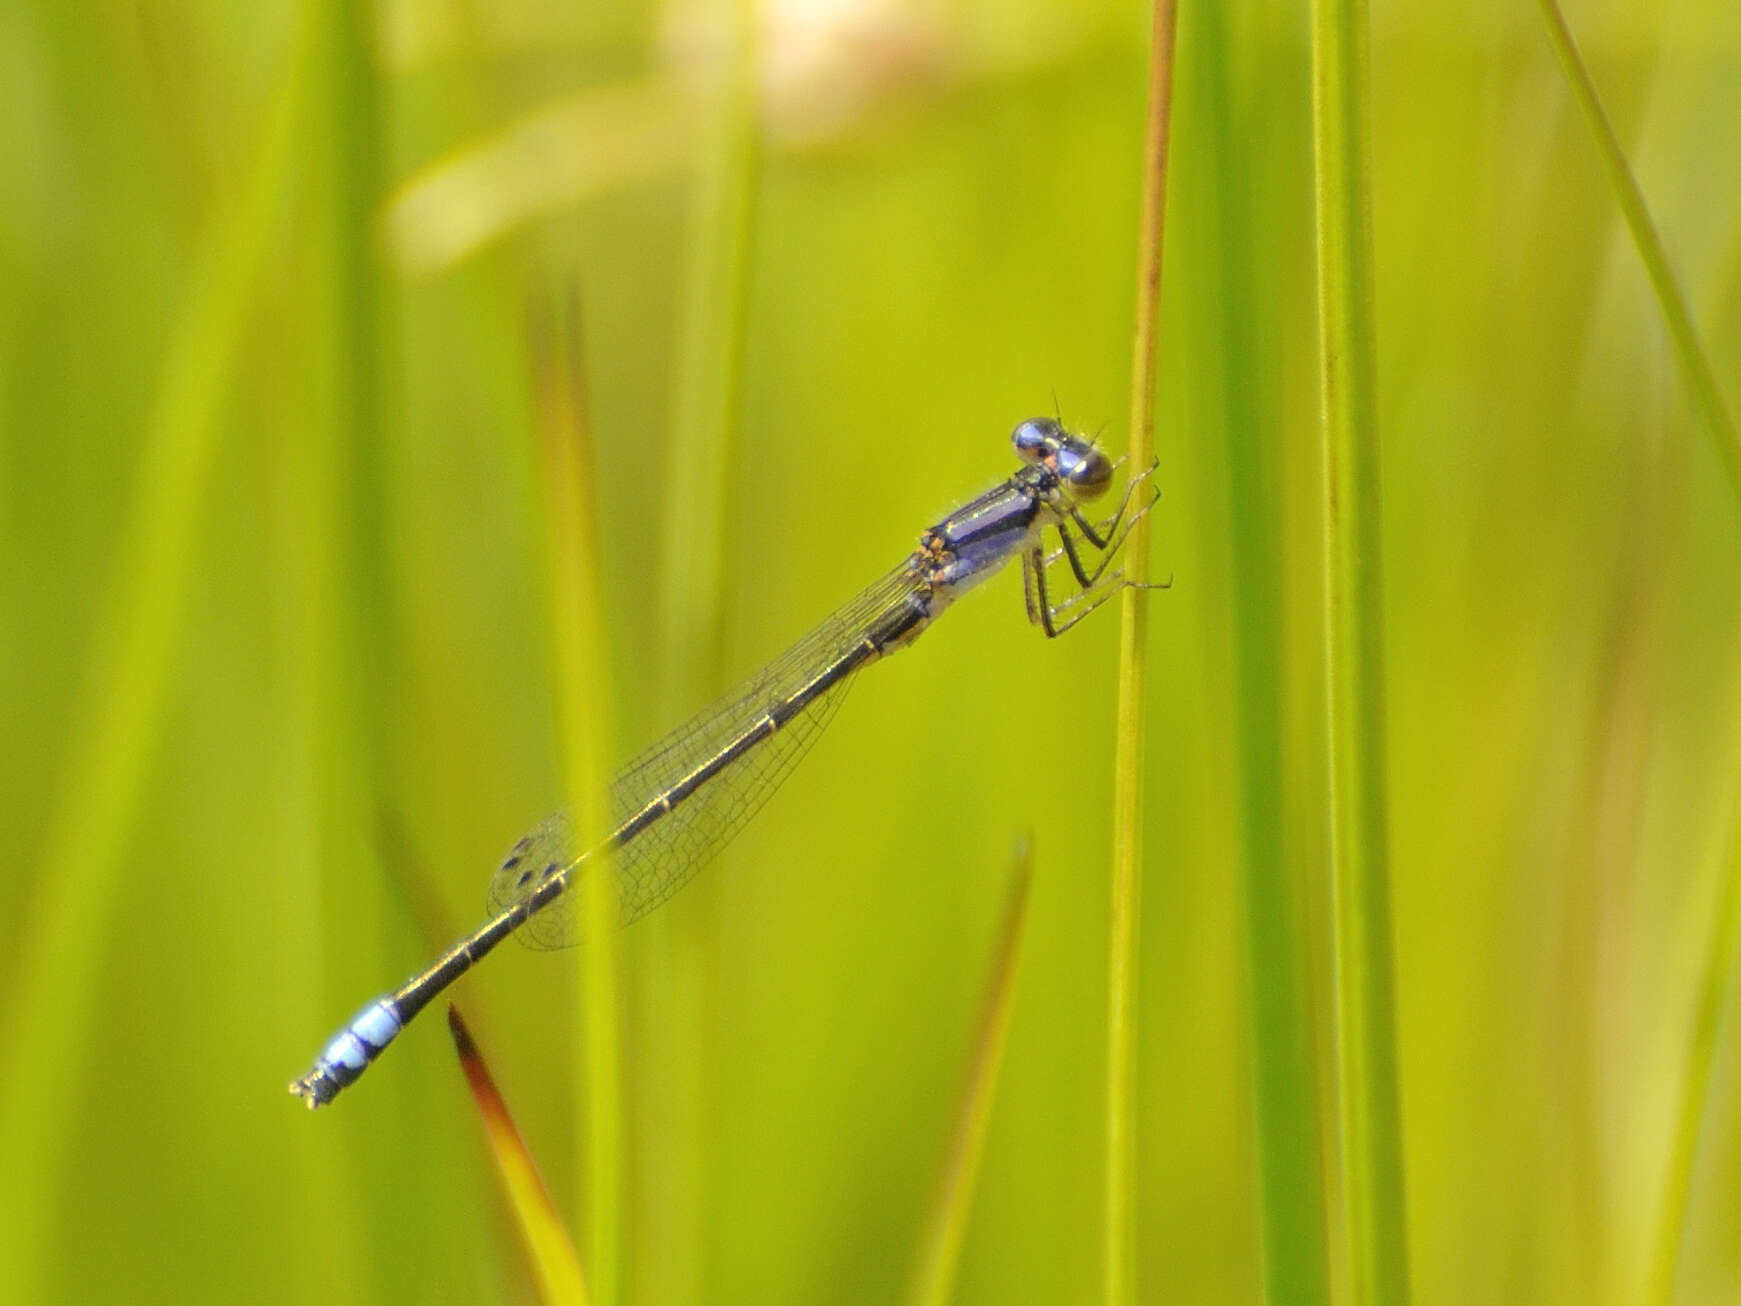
[554,1259]
[1721,957]
[940,1251]
[46,1033]
[582,691]
[353,304]
[330,589]
[1284,1071]
[709,374]
[551,157]
[1369,1105]
[698,499]
[1677,317]
[1117,1262]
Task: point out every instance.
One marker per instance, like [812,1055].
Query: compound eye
[1036,439]
[1090,474]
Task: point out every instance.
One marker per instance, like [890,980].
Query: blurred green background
[277,693]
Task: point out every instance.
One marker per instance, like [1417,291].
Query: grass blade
[675,1079]
[54,978]
[710,370]
[1369,1106]
[1117,1268]
[554,1259]
[1284,1070]
[1676,316]
[551,157]
[940,1253]
[582,678]
[1722,956]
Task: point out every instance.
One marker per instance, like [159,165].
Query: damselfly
[679,802]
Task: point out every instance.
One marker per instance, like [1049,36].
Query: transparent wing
[658,861]
[532,861]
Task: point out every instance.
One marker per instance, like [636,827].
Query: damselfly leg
[1095,584]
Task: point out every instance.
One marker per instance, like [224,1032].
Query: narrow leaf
[554,1259]
[1369,1097]
[952,1202]
[1117,1268]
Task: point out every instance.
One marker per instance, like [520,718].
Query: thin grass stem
[1722,957]
[709,375]
[1375,1219]
[698,499]
[583,698]
[54,976]
[1117,1260]
[331,591]
[1676,316]
[1286,1094]
[952,1203]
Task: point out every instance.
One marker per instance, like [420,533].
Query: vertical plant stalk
[1117,1262]
[1369,1110]
[701,459]
[582,680]
[940,1250]
[709,379]
[331,549]
[52,984]
[356,305]
[1286,1094]
[1722,957]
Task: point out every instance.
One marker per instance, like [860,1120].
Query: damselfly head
[1084,469]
